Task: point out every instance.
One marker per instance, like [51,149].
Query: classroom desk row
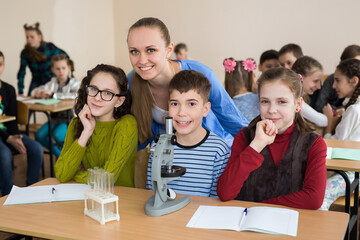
[66,220]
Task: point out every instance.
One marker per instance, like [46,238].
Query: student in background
[288,54]
[346,85]
[104,134]
[269,59]
[311,72]
[37,56]
[11,140]
[239,83]
[149,51]
[278,159]
[181,51]
[62,86]
[201,152]
[327,92]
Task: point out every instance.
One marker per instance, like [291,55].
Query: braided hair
[351,68]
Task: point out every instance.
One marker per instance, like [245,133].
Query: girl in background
[311,72]
[37,56]
[62,86]
[239,81]
[149,51]
[104,134]
[278,159]
[346,85]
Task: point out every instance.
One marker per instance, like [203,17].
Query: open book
[259,219]
[48,193]
[343,153]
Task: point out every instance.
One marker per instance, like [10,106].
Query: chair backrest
[22,113]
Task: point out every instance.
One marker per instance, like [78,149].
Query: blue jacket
[224,119]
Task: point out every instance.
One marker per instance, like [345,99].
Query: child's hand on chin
[87,119]
[265,134]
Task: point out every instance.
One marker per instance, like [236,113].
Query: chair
[23,119]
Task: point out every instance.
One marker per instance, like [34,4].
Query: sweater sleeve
[71,156]
[312,194]
[313,116]
[22,71]
[124,145]
[243,160]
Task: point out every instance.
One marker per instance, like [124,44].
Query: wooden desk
[66,220]
[340,166]
[7,119]
[64,105]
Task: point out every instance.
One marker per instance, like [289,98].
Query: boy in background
[269,59]
[181,51]
[201,152]
[11,140]
[288,54]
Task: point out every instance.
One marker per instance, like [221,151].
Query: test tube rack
[102,198]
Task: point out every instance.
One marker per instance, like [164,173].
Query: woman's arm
[312,194]
[22,71]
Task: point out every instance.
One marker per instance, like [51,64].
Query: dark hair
[187,80]
[294,82]
[350,52]
[180,46]
[268,55]
[2,55]
[34,54]
[306,65]
[351,68]
[238,78]
[293,48]
[155,23]
[143,102]
[60,57]
[122,83]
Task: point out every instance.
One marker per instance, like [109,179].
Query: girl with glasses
[104,134]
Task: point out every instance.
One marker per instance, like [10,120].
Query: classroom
[95,35]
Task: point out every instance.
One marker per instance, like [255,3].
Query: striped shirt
[204,163]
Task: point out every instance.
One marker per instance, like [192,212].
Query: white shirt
[349,125]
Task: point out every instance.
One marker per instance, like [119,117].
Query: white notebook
[48,193]
[258,219]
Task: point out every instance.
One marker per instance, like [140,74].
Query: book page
[215,217]
[271,220]
[70,192]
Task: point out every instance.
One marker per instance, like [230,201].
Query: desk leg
[50,145]
[351,232]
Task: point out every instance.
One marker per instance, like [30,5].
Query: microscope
[162,172]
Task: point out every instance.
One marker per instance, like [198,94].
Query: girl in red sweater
[277,159]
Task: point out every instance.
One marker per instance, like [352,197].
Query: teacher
[149,51]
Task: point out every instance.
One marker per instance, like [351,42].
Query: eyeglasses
[105,95]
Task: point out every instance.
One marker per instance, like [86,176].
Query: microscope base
[166,208]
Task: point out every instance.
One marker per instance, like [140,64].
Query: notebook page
[216,217]
[70,192]
[26,195]
[271,220]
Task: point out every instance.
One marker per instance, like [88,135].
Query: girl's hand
[339,111]
[328,111]
[88,121]
[17,143]
[265,134]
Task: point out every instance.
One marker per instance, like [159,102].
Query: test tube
[90,178]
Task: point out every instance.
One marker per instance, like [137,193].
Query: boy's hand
[265,134]
[17,143]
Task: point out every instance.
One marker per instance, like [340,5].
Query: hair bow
[229,65]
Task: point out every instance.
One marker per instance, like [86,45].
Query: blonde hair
[143,99]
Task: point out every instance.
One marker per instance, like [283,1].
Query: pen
[53,190]
[243,218]
[245,211]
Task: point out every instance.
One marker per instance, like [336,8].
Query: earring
[298,110]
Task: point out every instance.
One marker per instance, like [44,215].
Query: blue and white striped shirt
[204,163]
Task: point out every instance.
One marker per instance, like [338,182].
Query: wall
[214,30]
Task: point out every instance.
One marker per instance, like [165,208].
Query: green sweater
[112,147]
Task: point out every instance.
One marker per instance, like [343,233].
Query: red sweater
[244,159]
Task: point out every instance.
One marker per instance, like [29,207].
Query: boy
[201,152]
[269,59]
[11,140]
[181,51]
[288,54]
